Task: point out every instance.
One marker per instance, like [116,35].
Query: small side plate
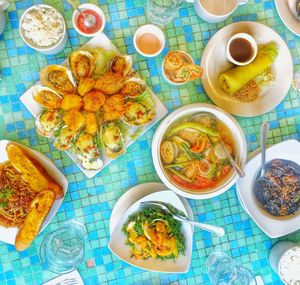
[274,227]
[117,243]
[8,235]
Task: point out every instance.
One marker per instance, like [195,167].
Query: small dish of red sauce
[78,20]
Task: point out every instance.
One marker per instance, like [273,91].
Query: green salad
[151,233]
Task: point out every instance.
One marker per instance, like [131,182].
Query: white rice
[43,27]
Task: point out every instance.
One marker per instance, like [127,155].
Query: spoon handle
[263,142]
[210,228]
[72,4]
[237,168]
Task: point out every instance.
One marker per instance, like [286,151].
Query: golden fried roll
[71,102]
[188,72]
[114,108]
[32,172]
[91,125]
[74,120]
[39,209]
[173,60]
[93,101]
[86,85]
[109,83]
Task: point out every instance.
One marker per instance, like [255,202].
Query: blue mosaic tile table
[90,201]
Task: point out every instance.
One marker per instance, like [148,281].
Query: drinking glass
[63,250]
[161,12]
[223,270]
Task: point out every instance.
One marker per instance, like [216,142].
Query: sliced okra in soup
[48,122]
[191,150]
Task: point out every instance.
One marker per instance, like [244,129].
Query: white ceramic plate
[233,126]
[274,227]
[287,12]
[100,40]
[8,235]
[214,62]
[138,192]
[118,239]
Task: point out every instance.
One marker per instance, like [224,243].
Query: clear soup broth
[192,155]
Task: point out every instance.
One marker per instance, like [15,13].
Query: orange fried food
[173,60]
[39,209]
[71,102]
[93,101]
[91,125]
[82,63]
[74,120]
[58,78]
[188,72]
[32,172]
[114,108]
[109,83]
[86,85]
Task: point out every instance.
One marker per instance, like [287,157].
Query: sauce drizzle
[81,26]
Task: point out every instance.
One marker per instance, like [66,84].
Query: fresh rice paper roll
[235,78]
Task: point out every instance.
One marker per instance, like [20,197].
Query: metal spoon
[262,181]
[238,169]
[264,129]
[164,206]
[88,19]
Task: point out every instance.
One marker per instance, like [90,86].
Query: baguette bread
[32,172]
[39,209]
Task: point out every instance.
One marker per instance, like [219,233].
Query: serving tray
[99,41]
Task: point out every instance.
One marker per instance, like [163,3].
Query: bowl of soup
[188,155]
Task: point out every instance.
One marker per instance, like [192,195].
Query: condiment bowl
[248,38]
[88,6]
[240,150]
[51,50]
[152,29]
[165,75]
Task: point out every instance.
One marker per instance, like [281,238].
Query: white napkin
[73,274]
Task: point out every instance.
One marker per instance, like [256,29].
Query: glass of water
[161,12]
[223,270]
[63,250]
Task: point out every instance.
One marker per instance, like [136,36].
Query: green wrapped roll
[235,78]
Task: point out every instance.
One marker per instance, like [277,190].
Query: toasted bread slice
[32,172]
[39,209]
